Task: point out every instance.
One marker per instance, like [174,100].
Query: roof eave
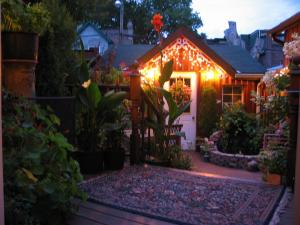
[186,32]
[249,76]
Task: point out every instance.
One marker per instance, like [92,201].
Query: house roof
[96,28]
[232,59]
[128,54]
[285,24]
[238,58]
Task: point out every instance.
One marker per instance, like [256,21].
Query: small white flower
[86,84]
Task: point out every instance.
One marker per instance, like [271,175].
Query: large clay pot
[89,162]
[20,54]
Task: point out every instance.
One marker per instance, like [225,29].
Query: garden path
[198,165]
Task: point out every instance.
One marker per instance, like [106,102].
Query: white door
[185,86]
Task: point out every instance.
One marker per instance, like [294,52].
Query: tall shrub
[57,60]
[239,132]
[208,113]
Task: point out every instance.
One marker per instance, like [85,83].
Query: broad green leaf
[54,119]
[166,73]
[84,74]
[94,95]
[29,175]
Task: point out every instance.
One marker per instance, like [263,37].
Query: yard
[151,123]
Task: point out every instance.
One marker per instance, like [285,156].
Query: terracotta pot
[283,93]
[273,178]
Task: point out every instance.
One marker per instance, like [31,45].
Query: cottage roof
[233,59]
[238,58]
[128,54]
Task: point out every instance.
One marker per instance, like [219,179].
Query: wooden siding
[247,86]
[288,36]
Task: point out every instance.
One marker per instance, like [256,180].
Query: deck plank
[287,217]
[123,214]
[90,213]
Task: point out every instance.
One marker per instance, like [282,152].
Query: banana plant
[98,109]
[161,116]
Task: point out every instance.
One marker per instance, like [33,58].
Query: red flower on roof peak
[157,22]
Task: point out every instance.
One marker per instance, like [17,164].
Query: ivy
[40,177]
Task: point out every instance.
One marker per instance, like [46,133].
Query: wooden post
[293,117]
[1,150]
[295,85]
[296,206]
[135,97]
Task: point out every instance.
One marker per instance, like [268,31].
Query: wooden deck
[288,216]
[94,214]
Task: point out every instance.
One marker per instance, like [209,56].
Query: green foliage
[17,16]
[177,159]
[114,76]
[97,112]
[208,113]
[175,12]
[274,159]
[238,132]
[40,177]
[57,60]
[166,73]
[281,82]
[159,114]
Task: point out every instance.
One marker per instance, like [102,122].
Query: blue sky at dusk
[250,15]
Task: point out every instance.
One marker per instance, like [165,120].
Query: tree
[175,12]
[83,10]
[57,60]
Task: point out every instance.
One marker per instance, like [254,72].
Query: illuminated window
[232,94]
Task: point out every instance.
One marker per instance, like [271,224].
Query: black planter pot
[89,162]
[20,46]
[114,159]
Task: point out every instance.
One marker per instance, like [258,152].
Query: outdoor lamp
[119,4]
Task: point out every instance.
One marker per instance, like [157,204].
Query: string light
[186,56]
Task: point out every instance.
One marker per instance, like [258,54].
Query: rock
[215,136]
[252,166]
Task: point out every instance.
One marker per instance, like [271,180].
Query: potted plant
[273,164]
[114,154]
[21,24]
[96,108]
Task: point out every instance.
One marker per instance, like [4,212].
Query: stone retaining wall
[232,160]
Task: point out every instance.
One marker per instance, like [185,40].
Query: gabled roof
[96,28]
[285,24]
[232,59]
[239,59]
[128,54]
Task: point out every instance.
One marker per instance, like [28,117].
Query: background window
[232,94]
